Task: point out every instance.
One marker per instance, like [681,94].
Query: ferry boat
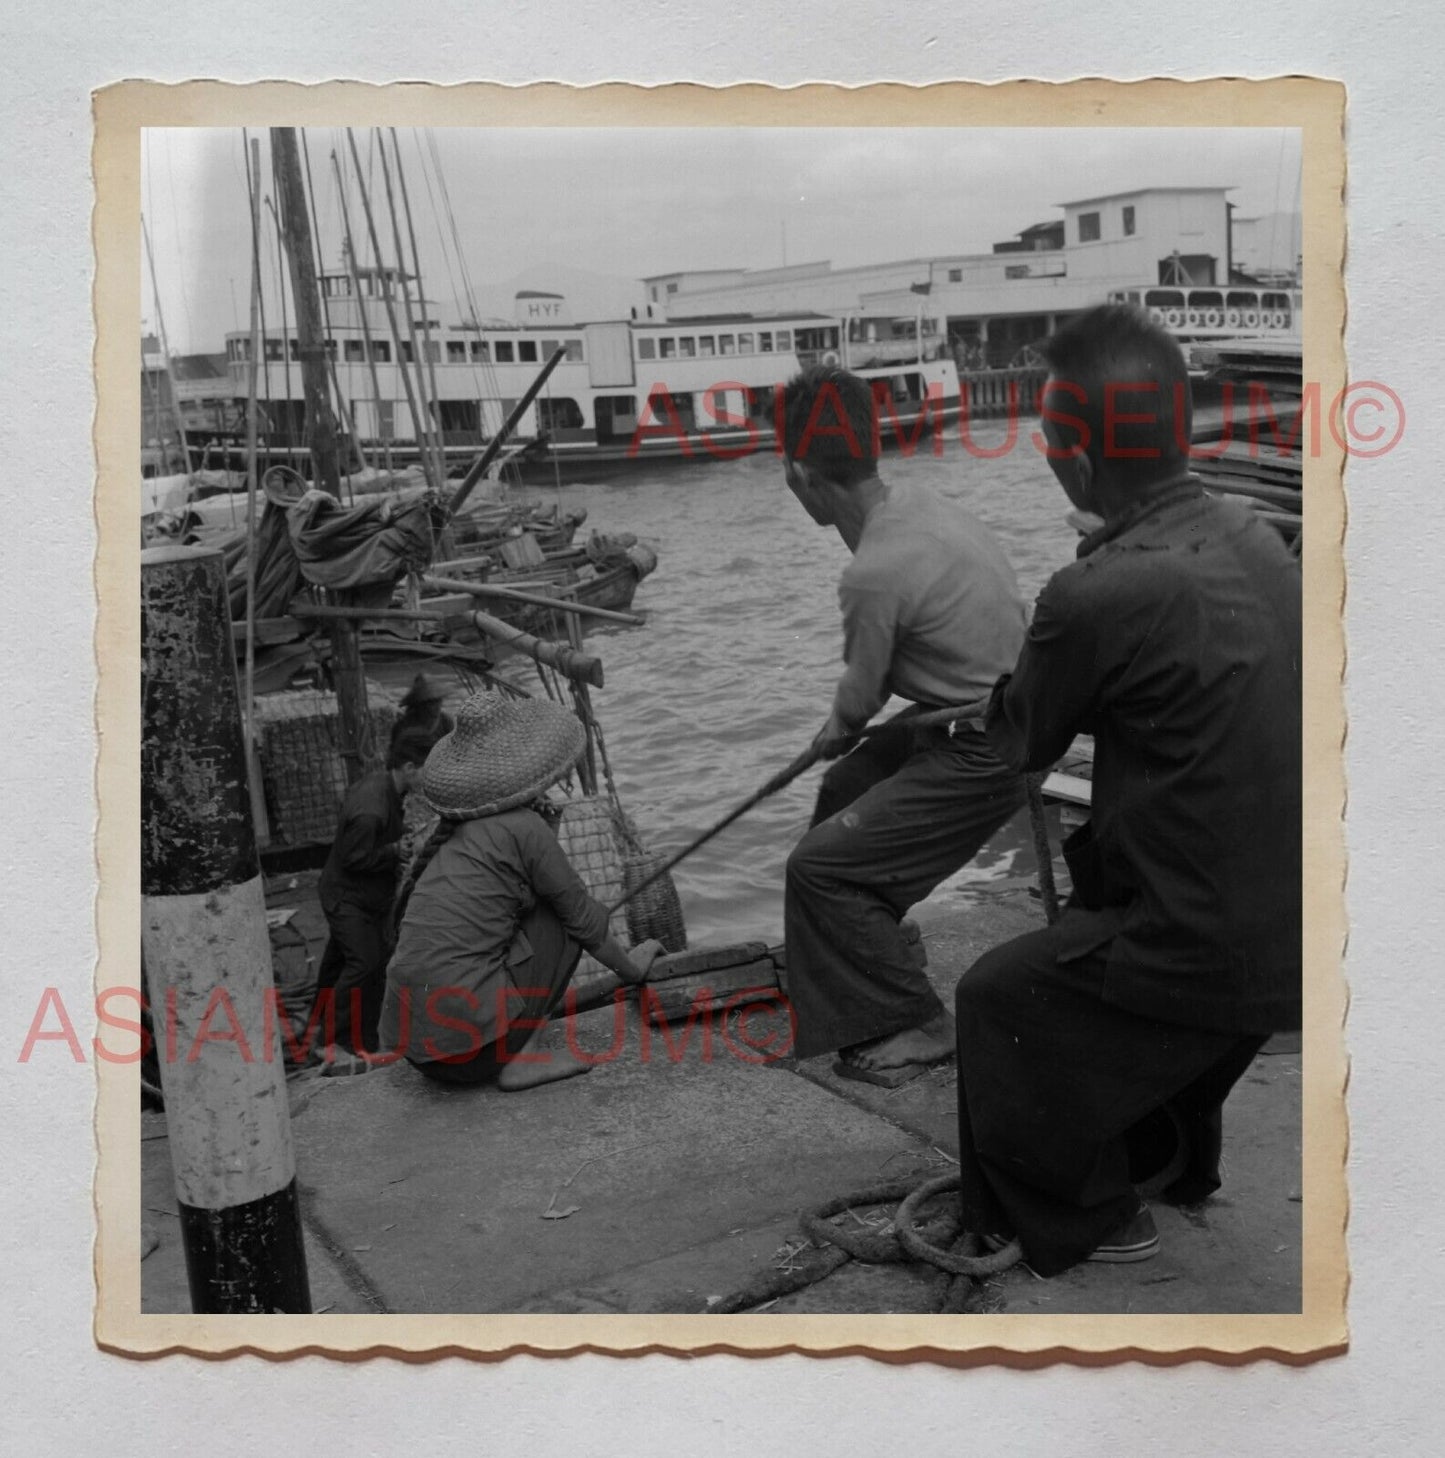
[1233,312]
[642,388]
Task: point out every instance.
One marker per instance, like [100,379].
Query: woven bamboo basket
[304,777]
[587,834]
[607,853]
[656,912]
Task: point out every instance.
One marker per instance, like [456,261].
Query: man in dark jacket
[357,888]
[1175,641]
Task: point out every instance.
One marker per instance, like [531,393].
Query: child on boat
[494,917]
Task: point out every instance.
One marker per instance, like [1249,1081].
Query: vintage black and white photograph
[721,726]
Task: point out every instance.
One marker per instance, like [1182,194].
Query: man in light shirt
[932,614]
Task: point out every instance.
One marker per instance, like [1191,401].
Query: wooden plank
[706,959]
[1070,788]
[708,992]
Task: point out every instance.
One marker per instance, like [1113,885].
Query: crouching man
[1174,640]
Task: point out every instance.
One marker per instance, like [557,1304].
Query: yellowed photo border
[1317,108]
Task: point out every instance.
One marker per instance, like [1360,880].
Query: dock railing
[1012,391]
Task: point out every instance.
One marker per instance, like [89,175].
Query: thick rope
[946,1260]
[940,1242]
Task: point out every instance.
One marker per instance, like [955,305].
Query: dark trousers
[353,968]
[1058,1088]
[541,982]
[895,817]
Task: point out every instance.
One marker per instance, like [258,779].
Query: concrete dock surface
[674,1173]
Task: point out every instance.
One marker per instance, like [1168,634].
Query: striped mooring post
[207,951]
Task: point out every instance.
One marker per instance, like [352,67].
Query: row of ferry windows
[533,351]
[705,346]
[480,351]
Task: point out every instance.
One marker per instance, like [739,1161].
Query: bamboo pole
[358,749]
[340,612]
[536,599]
[166,351]
[901,723]
[430,444]
[361,309]
[285,322]
[565,660]
[489,453]
[285,249]
[1043,851]
[386,299]
[582,707]
[343,405]
[248,717]
[428,363]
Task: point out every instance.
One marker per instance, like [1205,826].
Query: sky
[534,206]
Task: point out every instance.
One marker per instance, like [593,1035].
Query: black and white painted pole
[207,952]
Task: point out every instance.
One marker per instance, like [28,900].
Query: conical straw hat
[425,689]
[504,752]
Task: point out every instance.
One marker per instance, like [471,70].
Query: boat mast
[358,748]
[166,352]
[355,275]
[420,349]
[401,365]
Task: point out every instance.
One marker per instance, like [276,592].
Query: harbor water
[733,674]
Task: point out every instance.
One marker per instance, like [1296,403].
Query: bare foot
[930,1043]
[535,1065]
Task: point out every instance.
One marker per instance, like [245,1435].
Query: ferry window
[1129,221]
[559,413]
[784,339]
[672,288]
[574,350]
[293,348]
[407,353]
[381,351]
[1088,227]
[433,350]
[765,341]
[456,351]
[482,351]
[527,351]
[331,350]
[686,346]
[549,348]
[726,344]
[647,349]
[667,348]
[355,353]
[506,354]
[706,345]
[273,349]
[745,343]
[955,275]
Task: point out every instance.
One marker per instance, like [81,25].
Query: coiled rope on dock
[962,1258]
[936,1240]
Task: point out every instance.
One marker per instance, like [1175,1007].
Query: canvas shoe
[1136,1239]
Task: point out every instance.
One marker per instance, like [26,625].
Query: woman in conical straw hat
[494,916]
